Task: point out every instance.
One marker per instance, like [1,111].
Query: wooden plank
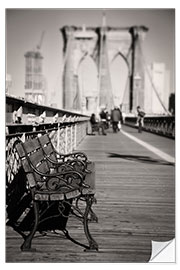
[31,145]
[20,150]
[49,151]
[36,157]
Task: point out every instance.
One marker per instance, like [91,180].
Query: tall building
[34,80]
[157,89]
[8,83]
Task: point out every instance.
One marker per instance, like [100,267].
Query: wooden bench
[46,191]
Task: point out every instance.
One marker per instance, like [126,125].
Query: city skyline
[24,29]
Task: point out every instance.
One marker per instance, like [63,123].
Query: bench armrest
[69,163]
[75,155]
[67,177]
[57,173]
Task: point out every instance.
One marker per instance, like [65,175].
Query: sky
[25,26]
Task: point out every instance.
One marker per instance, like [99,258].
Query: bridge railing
[26,119]
[162,125]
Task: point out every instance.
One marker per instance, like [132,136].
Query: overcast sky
[24,29]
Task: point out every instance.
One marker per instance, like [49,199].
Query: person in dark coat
[103,121]
[115,118]
[94,123]
[97,126]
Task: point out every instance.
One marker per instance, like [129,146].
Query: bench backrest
[32,156]
[47,147]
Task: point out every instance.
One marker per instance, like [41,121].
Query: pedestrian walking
[121,119]
[140,118]
[115,118]
[94,123]
[103,120]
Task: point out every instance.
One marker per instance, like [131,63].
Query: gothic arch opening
[88,85]
[119,79]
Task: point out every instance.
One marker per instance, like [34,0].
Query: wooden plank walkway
[135,204]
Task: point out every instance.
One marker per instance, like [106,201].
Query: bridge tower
[105,87]
[103,45]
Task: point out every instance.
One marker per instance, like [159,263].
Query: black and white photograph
[90,135]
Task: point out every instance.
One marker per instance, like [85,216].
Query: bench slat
[90,178]
[20,150]
[53,157]
[36,157]
[31,179]
[43,167]
[31,145]
[49,151]
[44,139]
[26,166]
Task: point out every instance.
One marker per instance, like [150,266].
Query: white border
[72,4]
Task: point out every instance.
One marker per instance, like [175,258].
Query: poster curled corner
[163,252]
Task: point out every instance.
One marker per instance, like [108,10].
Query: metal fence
[162,125]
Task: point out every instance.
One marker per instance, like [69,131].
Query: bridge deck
[135,203]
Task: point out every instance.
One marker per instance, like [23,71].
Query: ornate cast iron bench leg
[26,246]
[93,246]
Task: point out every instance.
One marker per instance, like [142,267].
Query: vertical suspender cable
[151,80]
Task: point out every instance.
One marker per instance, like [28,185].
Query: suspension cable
[125,89]
[151,80]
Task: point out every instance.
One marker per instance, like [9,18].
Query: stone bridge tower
[102,45]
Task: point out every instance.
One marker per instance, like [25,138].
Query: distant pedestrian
[103,120]
[94,124]
[140,118]
[115,118]
[108,119]
[121,119]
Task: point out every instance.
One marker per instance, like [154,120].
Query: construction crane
[38,47]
